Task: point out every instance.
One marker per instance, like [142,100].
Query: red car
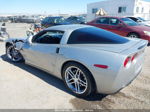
[122,26]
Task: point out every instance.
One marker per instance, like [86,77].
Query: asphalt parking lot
[25,87]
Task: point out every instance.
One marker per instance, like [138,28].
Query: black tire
[133,35]
[9,57]
[90,81]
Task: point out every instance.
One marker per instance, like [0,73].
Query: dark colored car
[52,21]
[75,20]
[122,26]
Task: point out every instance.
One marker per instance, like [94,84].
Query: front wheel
[13,54]
[78,79]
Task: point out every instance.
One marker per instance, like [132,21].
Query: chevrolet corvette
[86,58]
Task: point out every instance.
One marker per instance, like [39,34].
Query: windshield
[58,20]
[129,22]
[75,19]
[54,19]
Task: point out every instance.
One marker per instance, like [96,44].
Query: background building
[137,8]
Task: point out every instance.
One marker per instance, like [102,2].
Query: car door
[116,26]
[43,50]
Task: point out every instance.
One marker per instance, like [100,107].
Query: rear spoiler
[141,45]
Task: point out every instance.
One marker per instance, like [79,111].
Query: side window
[103,21]
[48,37]
[114,21]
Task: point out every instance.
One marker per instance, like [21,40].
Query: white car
[86,58]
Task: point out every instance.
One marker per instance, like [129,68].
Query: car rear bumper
[111,81]
[120,82]
[129,82]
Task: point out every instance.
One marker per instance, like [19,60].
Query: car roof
[68,27]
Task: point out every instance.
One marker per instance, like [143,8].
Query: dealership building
[137,8]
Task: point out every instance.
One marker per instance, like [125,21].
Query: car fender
[89,57]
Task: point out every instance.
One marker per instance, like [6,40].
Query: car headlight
[147,33]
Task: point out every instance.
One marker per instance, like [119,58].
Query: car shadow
[148,44]
[50,79]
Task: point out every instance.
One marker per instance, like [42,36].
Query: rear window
[93,35]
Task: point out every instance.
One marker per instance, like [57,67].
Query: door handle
[57,50]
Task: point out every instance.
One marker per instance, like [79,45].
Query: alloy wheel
[76,80]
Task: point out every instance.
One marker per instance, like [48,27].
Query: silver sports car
[86,58]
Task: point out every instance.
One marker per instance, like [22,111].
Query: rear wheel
[78,79]
[133,35]
[13,54]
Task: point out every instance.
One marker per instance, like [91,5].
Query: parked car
[15,19]
[141,21]
[52,21]
[80,56]
[75,20]
[24,19]
[4,19]
[122,26]
[29,19]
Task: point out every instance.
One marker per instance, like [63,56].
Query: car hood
[146,23]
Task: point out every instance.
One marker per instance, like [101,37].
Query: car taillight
[134,56]
[127,61]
